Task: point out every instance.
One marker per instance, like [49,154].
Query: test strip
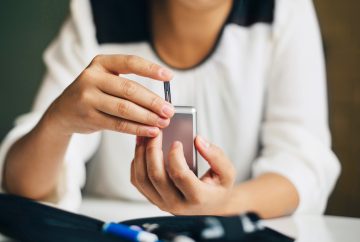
[167,91]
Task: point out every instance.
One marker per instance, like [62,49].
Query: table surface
[305,228]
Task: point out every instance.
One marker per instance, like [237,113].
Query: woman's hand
[101,99]
[174,187]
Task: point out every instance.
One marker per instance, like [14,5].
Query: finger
[125,64]
[180,173]
[139,153]
[133,170]
[132,174]
[141,177]
[157,172]
[136,93]
[217,160]
[108,122]
[127,110]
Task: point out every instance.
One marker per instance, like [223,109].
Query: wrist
[238,202]
[53,124]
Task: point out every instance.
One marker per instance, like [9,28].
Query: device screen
[181,129]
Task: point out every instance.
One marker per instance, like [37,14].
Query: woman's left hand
[174,187]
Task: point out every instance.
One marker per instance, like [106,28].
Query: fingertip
[152,132]
[197,141]
[176,157]
[177,145]
[165,74]
[156,141]
[202,143]
[168,110]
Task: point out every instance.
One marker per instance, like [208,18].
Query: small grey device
[182,128]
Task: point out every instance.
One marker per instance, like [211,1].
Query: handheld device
[182,128]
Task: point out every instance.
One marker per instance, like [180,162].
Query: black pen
[167,91]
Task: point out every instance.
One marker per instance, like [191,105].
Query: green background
[27,27]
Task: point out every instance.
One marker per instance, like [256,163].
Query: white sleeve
[65,58]
[295,136]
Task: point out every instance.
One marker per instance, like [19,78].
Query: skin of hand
[99,99]
[174,187]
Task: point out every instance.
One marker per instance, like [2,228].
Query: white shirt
[260,96]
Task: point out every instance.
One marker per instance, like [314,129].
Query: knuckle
[97,59]
[86,74]
[139,131]
[131,60]
[155,176]
[129,88]
[178,175]
[91,115]
[133,181]
[141,179]
[123,108]
[151,118]
[85,96]
[152,67]
[120,125]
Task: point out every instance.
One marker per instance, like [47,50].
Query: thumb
[217,160]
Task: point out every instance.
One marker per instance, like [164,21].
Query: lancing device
[125,232]
[167,92]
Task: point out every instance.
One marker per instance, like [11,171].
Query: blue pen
[125,232]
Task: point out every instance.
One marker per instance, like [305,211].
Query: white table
[305,228]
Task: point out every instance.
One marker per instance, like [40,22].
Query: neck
[184,35]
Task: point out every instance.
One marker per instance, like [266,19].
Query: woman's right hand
[100,99]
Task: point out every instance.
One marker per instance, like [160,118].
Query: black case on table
[25,220]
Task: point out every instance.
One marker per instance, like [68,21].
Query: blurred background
[27,27]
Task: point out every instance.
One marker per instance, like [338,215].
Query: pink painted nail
[153,131]
[168,110]
[166,73]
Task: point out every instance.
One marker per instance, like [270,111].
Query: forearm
[270,195]
[33,163]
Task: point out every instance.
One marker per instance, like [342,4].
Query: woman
[253,69]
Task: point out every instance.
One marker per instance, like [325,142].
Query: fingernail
[176,144]
[153,131]
[166,73]
[204,142]
[162,123]
[168,110]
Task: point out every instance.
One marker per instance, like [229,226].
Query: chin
[201,4]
